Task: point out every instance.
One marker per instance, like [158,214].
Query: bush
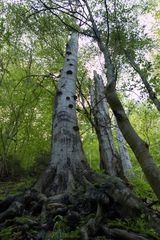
[10,167]
[40,163]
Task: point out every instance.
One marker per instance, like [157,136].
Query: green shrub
[138,225]
[40,163]
[7,233]
[10,167]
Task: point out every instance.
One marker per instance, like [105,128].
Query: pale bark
[123,152]
[139,147]
[68,162]
[151,93]
[109,159]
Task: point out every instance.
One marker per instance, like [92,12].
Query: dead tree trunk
[123,152]
[68,162]
[109,159]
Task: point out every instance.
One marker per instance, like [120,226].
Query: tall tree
[68,164]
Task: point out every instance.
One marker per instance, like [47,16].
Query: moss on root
[7,233]
[9,188]
[100,206]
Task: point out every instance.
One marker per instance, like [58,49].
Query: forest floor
[14,186]
[77,216]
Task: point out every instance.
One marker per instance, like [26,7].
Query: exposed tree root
[87,210]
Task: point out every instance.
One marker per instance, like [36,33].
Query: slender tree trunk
[68,162]
[126,163]
[109,159]
[152,94]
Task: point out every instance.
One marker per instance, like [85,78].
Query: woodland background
[32,51]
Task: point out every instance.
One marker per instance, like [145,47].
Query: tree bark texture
[123,152]
[109,159]
[68,162]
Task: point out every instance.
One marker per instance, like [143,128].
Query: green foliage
[141,186]
[15,187]
[90,145]
[24,219]
[40,163]
[7,233]
[10,166]
[60,230]
[145,119]
[148,126]
[32,51]
[75,235]
[138,225]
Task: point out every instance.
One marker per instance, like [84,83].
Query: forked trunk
[68,162]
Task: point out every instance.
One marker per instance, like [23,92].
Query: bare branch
[107,13]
